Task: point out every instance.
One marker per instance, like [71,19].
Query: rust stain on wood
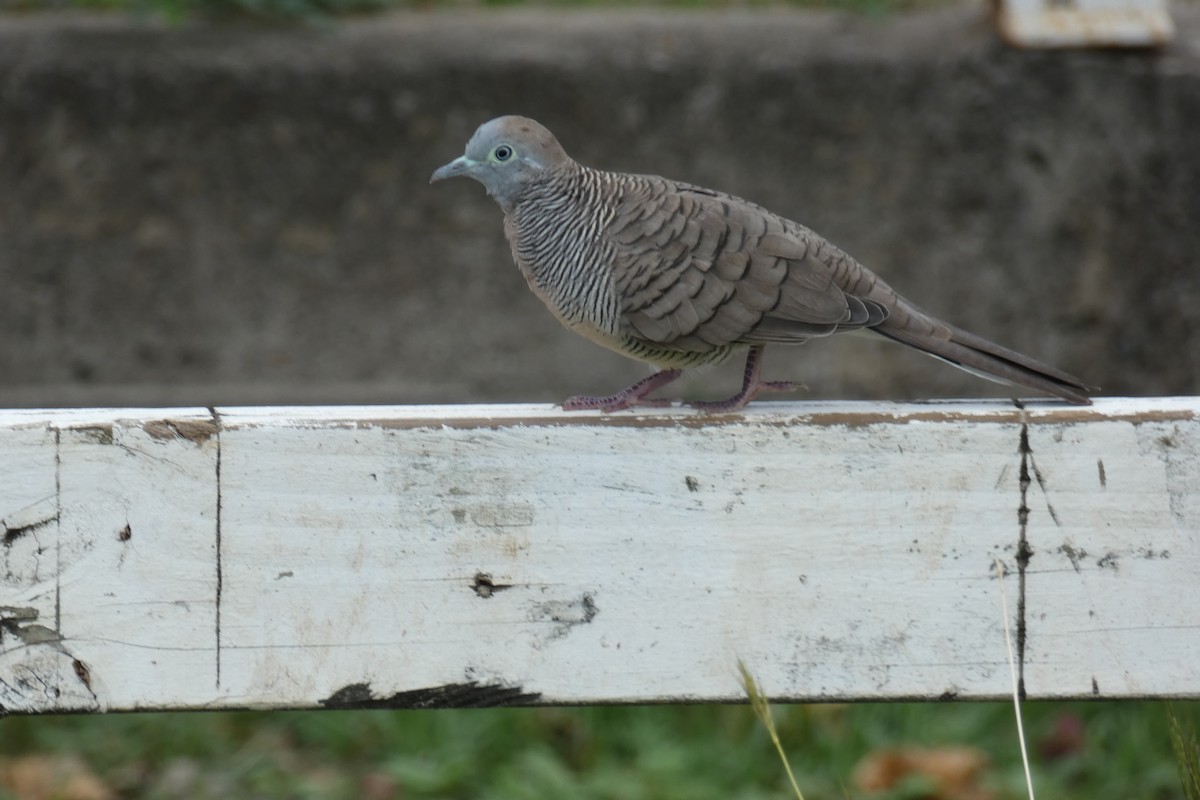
[1066,415]
[195,431]
[98,434]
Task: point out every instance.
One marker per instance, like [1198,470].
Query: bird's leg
[630,397]
[751,386]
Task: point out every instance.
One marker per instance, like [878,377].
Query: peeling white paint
[421,556]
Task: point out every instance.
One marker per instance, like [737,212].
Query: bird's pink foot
[744,396]
[631,397]
[751,386]
[614,402]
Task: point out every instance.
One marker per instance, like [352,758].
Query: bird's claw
[743,397]
[616,402]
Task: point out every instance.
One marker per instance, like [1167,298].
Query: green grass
[607,753]
[1187,750]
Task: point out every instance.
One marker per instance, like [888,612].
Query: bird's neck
[557,208]
[556,231]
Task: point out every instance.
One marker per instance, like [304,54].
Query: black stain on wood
[353,695]
[125,534]
[1073,555]
[14,620]
[14,532]
[569,612]
[1103,477]
[1109,561]
[451,695]
[563,615]
[589,608]
[693,485]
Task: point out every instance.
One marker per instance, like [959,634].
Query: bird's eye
[503,152]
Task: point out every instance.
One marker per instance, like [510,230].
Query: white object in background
[1084,23]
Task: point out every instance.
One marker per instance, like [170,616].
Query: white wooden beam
[484,555]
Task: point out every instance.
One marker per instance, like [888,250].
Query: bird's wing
[695,269]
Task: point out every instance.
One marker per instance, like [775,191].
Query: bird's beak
[459,166]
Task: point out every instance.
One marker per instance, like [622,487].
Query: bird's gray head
[506,155]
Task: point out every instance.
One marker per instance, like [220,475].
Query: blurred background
[234,209]
[225,202]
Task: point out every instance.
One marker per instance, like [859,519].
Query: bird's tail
[986,359]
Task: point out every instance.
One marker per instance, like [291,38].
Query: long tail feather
[987,359]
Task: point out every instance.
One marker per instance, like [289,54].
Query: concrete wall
[226,215]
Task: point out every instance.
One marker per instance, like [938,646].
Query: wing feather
[704,270]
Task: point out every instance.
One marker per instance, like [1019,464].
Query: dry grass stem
[1012,669]
[763,711]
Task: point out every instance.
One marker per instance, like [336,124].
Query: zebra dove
[679,276]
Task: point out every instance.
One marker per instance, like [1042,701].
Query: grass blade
[1187,752]
[763,711]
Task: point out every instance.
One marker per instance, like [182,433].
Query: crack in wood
[1029,472]
[58,520]
[20,622]
[1041,482]
[84,674]
[216,430]
[1024,553]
